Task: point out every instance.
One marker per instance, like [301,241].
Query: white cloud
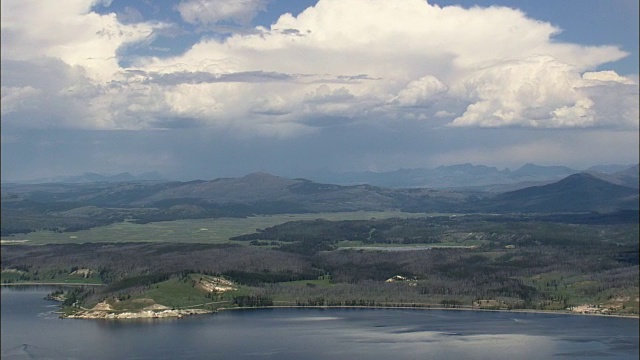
[607,76]
[208,12]
[614,98]
[420,92]
[68,31]
[444,114]
[369,60]
[15,97]
[537,91]
[46,93]
[270,104]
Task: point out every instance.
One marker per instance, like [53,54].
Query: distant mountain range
[454,177]
[478,177]
[28,207]
[626,177]
[266,193]
[90,177]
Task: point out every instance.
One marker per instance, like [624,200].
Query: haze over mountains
[478,177]
[626,177]
[90,177]
[63,206]
[453,188]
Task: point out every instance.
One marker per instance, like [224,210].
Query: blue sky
[205,89]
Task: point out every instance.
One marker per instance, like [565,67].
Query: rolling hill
[626,177]
[581,192]
[77,206]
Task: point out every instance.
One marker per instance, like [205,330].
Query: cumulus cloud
[607,76]
[46,93]
[420,92]
[364,60]
[324,94]
[542,92]
[208,12]
[614,99]
[68,31]
[537,91]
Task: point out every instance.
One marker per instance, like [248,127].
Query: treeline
[252,301]
[136,281]
[528,263]
[265,277]
[14,221]
[431,276]
[117,262]
[405,231]
[25,216]
[311,237]
[491,231]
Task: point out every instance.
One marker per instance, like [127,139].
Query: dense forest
[553,246]
[517,261]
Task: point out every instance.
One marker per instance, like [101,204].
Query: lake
[30,330]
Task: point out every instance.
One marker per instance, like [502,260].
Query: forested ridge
[68,207]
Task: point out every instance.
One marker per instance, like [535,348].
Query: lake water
[30,330]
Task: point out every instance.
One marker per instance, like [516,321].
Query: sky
[202,89]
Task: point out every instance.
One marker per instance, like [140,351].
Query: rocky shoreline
[172,313]
[144,314]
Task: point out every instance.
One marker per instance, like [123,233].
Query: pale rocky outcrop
[144,314]
[216,284]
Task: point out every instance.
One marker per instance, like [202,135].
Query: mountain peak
[261,176]
[580,176]
[530,169]
[576,192]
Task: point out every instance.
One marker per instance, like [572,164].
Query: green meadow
[208,231]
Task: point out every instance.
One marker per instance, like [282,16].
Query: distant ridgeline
[69,207]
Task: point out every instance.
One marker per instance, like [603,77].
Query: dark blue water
[30,330]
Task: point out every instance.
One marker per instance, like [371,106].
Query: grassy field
[210,231]
[178,294]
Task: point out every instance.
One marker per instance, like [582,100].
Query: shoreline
[147,314]
[529,311]
[179,313]
[143,314]
[48,284]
